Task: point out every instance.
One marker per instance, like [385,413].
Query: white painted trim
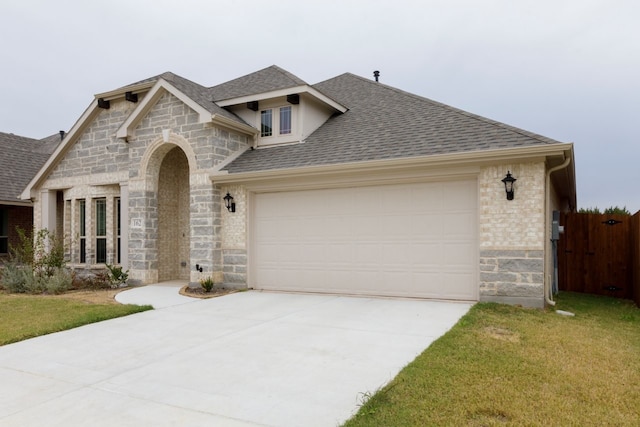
[476,158]
[160,88]
[284,92]
[16,203]
[119,93]
[68,141]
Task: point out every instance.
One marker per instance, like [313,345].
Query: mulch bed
[199,292]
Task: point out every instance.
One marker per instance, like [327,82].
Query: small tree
[613,210]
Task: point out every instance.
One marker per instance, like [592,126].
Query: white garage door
[410,240]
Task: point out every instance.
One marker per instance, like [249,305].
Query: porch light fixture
[228,202]
[508,185]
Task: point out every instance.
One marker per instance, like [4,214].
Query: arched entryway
[173,217]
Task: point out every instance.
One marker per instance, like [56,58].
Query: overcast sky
[569,70]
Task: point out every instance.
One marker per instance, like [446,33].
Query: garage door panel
[425,254]
[415,240]
[459,285]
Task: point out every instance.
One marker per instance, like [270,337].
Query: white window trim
[276,137]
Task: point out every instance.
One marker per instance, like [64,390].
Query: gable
[95,149]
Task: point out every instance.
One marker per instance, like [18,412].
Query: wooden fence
[600,254]
[635,255]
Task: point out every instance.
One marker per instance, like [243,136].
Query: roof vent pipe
[61,135]
[376,74]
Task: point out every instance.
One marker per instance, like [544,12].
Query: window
[82,210]
[266,125]
[101,230]
[4,231]
[279,123]
[285,120]
[118,230]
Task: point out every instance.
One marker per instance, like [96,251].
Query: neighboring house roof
[266,80]
[20,159]
[385,123]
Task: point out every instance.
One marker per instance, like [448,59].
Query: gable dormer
[284,116]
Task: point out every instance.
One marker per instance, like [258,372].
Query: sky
[565,69]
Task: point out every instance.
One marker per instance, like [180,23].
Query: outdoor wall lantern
[228,202]
[508,185]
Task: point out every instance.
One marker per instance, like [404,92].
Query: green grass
[504,365]
[28,316]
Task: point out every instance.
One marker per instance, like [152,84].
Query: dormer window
[266,123]
[285,120]
[282,119]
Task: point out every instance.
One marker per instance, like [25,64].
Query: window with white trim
[118,250]
[276,121]
[101,230]
[82,230]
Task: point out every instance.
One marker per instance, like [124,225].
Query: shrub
[59,282]
[15,277]
[207,284]
[34,263]
[116,275]
[93,281]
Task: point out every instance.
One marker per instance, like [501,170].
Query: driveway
[246,359]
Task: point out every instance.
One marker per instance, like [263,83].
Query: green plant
[33,263]
[116,275]
[59,282]
[15,277]
[207,284]
[613,210]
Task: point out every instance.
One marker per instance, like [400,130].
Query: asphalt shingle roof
[196,92]
[386,123]
[266,80]
[20,159]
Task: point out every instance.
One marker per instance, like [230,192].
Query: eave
[476,158]
[161,87]
[284,92]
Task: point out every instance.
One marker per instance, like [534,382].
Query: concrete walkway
[246,359]
[160,295]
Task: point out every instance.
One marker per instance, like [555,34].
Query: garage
[405,240]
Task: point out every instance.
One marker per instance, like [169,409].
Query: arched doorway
[173,217]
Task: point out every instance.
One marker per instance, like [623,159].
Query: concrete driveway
[247,359]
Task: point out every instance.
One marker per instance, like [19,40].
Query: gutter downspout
[547,232]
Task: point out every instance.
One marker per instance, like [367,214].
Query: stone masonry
[512,235]
[99,163]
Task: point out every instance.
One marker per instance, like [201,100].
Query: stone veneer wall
[205,147]
[234,244]
[512,235]
[98,158]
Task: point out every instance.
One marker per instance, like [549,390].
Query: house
[20,159]
[346,186]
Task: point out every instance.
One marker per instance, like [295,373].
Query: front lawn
[504,365]
[27,316]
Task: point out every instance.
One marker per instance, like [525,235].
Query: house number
[136,222]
